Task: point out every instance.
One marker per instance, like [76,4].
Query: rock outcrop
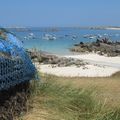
[102,47]
[46,58]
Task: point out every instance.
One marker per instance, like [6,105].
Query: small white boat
[105,34]
[90,36]
[86,36]
[49,37]
[99,36]
[30,36]
[93,37]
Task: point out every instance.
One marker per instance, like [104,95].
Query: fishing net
[15,65]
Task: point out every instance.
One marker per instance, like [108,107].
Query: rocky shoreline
[83,65]
[100,46]
[47,58]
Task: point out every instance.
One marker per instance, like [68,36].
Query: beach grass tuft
[53,100]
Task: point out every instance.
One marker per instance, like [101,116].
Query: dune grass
[60,98]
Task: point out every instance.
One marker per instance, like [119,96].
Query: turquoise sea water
[64,38]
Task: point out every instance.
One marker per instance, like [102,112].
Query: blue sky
[44,13]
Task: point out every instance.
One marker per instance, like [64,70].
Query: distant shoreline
[55,29]
[113,28]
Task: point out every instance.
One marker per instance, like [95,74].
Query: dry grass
[45,107]
[108,88]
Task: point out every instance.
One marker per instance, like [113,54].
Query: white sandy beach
[93,69]
[96,58]
[73,71]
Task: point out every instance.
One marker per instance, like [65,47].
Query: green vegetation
[58,98]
